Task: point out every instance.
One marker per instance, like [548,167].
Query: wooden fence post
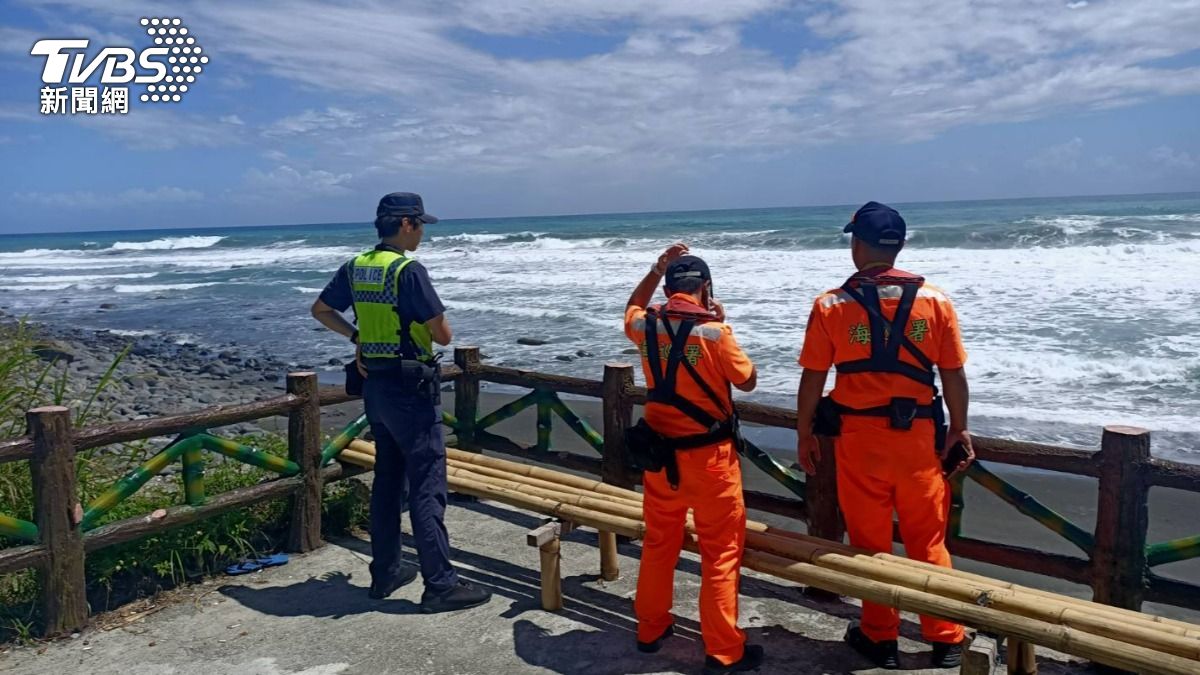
[304,448]
[824,516]
[1118,569]
[57,512]
[618,416]
[821,500]
[466,395]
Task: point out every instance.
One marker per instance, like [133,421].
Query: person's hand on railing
[808,450]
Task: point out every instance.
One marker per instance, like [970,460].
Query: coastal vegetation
[34,372]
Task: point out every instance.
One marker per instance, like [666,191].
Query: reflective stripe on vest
[375,289]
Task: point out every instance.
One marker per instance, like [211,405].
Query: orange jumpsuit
[881,470]
[710,483]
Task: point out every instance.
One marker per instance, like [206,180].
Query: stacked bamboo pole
[1117,637]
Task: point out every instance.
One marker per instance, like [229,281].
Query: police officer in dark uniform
[399,318]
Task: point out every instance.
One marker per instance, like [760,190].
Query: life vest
[375,288]
[887,339]
[665,378]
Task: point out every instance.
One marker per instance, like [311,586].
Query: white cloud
[147,128]
[1062,157]
[231,119]
[1170,158]
[684,81]
[298,184]
[330,119]
[94,200]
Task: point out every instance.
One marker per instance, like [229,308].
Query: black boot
[884,654]
[381,588]
[947,654]
[751,659]
[656,644]
[463,595]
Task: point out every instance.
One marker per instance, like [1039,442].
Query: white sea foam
[93,279]
[159,288]
[533,313]
[307,289]
[167,244]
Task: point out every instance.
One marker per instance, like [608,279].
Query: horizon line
[600,213]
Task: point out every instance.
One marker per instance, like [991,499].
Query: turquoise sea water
[1076,312]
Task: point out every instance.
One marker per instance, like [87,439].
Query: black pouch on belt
[902,412]
[642,451]
[354,379]
[828,419]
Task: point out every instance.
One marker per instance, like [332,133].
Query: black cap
[403,204]
[877,224]
[686,267]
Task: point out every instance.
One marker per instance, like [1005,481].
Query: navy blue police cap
[404,204]
[878,225]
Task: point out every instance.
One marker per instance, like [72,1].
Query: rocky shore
[159,374]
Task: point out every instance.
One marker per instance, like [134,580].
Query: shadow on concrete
[607,644]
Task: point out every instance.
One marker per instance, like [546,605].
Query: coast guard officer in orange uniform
[690,359]
[885,330]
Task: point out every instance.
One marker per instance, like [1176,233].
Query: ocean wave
[532,313]
[90,279]
[167,244]
[486,238]
[159,288]
[307,289]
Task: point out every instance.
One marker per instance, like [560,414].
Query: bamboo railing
[1116,560]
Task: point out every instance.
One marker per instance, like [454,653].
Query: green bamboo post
[249,455]
[135,479]
[577,423]
[193,474]
[304,450]
[342,439]
[57,510]
[544,421]
[957,504]
[1118,569]
[466,395]
[17,528]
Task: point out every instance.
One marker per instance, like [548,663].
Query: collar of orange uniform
[684,306]
[883,273]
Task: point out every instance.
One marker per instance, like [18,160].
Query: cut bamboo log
[543,494]
[546,539]
[1021,659]
[1043,605]
[610,569]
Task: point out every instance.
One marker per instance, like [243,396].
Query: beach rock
[630,350]
[228,355]
[252,363]
[531,342]
[53,353]
[215,369]
[336,362]
[107,305]
[583,353]
[564,357]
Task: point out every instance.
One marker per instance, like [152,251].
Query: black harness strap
[887,337]
[664,383]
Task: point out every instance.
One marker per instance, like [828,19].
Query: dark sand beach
[159,376]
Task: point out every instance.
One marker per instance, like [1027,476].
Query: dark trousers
[409,444]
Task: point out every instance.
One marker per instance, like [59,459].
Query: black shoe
[884,654]
[947,654]
[464,595]
[380,589]
[656,644]
[751,659]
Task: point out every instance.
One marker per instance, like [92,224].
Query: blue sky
[309,111]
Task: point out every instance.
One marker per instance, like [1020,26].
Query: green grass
[118,574]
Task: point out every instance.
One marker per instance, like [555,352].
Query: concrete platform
[313,617]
